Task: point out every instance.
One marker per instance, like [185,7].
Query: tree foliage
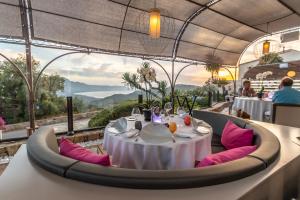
[14,93]
[145,80]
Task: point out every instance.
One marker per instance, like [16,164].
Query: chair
[286,114]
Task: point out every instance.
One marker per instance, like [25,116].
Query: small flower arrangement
[261,77]
[146,76]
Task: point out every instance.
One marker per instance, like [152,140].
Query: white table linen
[129,153]
[254,106]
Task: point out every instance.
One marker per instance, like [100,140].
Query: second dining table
[254,106]
[179,153]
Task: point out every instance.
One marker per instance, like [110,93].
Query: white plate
[202,129]
[185,135]
[131,133]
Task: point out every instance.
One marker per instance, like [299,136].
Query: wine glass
[168,107]
[180,111]
[162,113]
[135,112]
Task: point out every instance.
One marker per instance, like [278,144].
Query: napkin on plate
[156,133]
[118,126]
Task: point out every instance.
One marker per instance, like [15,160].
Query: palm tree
[212,68]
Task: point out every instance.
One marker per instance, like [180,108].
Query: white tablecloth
[128,153]
[255,107]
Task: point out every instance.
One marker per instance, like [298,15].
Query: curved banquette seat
[43,149]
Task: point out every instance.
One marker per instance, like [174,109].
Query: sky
[100,69]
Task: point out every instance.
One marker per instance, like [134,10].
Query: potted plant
[144,80]
[261,77]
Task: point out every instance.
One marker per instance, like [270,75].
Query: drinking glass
[163,115]
[168,107]
[180,111]
[135,112]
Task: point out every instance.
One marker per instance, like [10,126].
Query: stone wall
[10,148]
[50,120]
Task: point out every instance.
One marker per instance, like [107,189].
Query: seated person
[286,94]
[247,90]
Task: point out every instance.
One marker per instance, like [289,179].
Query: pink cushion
[226,156]
[234,136]
[77,152]
[2,123]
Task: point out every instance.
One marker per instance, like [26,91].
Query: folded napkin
[156,133]
[118,126]
[197,122]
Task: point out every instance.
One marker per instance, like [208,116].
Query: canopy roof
[223,28]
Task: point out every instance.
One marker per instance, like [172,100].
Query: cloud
[105,66]
[87,72]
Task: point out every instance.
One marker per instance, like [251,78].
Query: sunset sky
[107,70]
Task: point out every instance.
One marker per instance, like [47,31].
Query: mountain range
[73,88]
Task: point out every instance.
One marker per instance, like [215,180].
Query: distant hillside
[184,87]
[111,100]
[72,87]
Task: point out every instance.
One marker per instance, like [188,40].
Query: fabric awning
[223,28]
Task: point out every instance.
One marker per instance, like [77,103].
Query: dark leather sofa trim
[218,120]
[42,148]
[165,179]
[269,147]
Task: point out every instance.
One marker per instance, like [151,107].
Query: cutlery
[173,138]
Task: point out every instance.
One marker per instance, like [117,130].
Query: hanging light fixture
[266,47]
[291,74]
[154,22]
[266,44]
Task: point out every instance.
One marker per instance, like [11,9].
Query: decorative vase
[147,114]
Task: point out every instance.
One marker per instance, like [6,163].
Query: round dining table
[177,153]
[254,106]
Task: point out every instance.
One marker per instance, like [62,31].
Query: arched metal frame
[51,61]
[19,71]
[172,79]
[27,29]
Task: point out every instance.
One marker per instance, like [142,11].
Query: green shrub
[122,110]
[101,119]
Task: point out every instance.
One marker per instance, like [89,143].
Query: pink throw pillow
[77,152]
[234,136]
[226,156]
